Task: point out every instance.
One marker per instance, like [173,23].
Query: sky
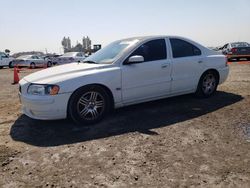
[27,25]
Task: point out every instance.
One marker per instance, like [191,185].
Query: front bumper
[45,107]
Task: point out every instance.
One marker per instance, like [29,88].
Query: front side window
[181,48]
[152,50]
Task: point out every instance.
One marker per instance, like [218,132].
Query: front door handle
[200,61]
[164,66]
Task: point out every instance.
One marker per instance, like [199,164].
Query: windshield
[69,54]
[240,44]
[110,52]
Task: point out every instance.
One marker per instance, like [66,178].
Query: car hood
[59,73]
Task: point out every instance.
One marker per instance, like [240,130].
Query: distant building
[86,44]
[84,47]
[66,43]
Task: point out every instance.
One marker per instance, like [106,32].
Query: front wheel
[89,105]
[207,85]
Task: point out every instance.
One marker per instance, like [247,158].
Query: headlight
[39,89]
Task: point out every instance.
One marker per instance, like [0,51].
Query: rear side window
[181,48]
[152,50]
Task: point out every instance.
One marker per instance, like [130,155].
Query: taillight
[234,50]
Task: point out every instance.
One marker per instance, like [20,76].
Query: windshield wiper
[89,62]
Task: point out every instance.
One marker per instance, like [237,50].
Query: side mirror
[135,59]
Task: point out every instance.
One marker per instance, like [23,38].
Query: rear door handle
[200,61]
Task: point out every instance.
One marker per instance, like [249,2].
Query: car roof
[155,37]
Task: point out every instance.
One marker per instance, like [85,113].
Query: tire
[49,64]
[32,65]
[89,105]
[1,67]
[10,65]
[207,84]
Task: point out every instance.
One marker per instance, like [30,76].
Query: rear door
[188,64]
[150,78]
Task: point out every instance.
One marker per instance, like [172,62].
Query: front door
[148,79]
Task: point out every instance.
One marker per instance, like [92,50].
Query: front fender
[111,78]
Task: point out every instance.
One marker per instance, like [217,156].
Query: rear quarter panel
[219,63]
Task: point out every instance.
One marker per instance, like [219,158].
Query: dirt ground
[176,142]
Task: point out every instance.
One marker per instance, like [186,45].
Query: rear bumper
[223,74]
[238,56]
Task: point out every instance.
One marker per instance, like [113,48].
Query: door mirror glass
[135,59]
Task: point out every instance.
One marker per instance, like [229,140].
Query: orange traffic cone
[18,70]
[16,77]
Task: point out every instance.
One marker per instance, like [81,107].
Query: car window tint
[79,54]
[181,48]
[152,50]
[3,55]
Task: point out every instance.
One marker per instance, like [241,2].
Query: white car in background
[126,72]
[69,58]
[5,60]
[31,61]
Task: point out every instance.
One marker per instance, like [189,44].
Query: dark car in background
[237,51]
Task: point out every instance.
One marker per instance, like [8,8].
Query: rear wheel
[32,65]
[208,84]
[89,105]
[1,67]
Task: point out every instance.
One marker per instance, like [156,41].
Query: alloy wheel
[209,84]
[90,105]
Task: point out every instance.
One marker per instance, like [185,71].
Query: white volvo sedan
[125,72]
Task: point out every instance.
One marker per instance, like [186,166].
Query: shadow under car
[137,118]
